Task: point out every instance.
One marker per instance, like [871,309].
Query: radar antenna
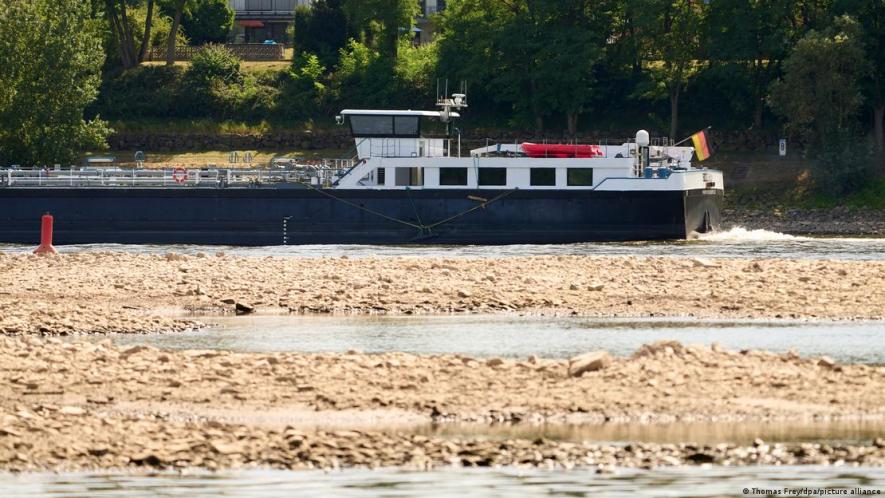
[448,104]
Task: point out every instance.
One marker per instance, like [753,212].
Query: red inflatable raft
[561,150]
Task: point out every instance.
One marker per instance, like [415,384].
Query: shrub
[211,63]
[146,91]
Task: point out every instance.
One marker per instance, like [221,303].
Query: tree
[750,39]
[820,96]
[672,42]
[820,90]
[177,8]
[207,21]
[536,55]
[321,30]
[381,23]
[871,20]
[131,51]
[52,56]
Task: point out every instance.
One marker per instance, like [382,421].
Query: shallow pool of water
[857,432]
[518,336]
[735,243]
[464,483]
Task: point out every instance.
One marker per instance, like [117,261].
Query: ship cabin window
[493,176]
[580,177]
[385,126]
[409,177]
[380,176]
[542,177]
[453,176]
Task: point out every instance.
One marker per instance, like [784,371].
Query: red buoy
[45,246]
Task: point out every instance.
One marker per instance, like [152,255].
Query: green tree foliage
[748,40]
[381,23]
[819,97]
[820,90]
[132,40]
[364,77]
[673,45]
[304,89]
[536,55]
[871,19]
[207,21]
[321,30]
[52,57]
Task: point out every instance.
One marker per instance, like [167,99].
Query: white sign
[782,147]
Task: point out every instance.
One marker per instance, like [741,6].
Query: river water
[463,483]
[735,243]
[517,336]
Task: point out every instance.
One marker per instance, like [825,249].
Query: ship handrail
[324,171]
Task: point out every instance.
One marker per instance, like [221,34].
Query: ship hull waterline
[267,216]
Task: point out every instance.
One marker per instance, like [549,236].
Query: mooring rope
[420,225]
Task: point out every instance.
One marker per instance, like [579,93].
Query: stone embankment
[104,292]
[841,221]
[81,405]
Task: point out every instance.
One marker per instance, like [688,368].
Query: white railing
[316,173]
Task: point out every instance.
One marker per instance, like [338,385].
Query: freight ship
[402,187]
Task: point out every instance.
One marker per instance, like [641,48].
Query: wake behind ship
[402,188]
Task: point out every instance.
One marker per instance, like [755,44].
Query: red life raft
[561,150]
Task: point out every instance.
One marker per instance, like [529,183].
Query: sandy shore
[82,405]
[117,292]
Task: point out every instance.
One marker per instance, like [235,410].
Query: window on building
[409,177]
[580,177]
[453,176]
[380,176]
[493,176]
[543,177]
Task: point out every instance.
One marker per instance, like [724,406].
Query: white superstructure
[393,154]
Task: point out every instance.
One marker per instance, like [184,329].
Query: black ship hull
[280,216]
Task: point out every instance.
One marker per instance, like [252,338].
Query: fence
[245,51]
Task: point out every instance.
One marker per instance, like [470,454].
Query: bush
[304,91]
[142,92]
[364,78]
[214,62]
[842,164]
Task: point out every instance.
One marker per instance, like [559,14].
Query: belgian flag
[701,148]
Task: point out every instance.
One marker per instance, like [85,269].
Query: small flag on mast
[701,148]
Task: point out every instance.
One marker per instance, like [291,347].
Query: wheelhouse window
[385,126]
[493,176]
[409,177]
[542,177]
[453,176]
[380,176]
[580,177]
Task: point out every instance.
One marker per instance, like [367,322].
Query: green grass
[798,195]
[872,196]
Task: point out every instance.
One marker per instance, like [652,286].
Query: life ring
[179,175]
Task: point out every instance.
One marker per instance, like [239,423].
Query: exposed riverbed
[428,358]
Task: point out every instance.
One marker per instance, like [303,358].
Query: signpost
[782,147]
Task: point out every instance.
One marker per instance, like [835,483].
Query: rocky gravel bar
[119,292]
[72,405]
[841,221]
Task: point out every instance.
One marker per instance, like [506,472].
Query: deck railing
[315,173]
